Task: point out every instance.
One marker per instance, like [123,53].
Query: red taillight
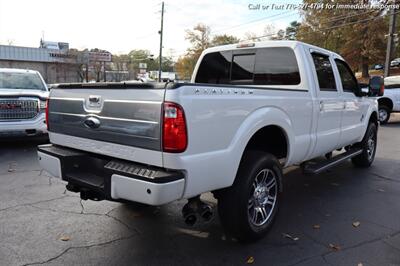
[174,128]
[47,114]
[382,90]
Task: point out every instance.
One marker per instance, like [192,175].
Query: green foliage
[224,40]
[130,62]
[135,57]
[200,39]
[291,30]
[360,43]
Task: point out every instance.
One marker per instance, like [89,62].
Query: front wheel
[384,114]
[248,208]
[368,146]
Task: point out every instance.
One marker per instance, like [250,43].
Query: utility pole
[104,71]
[391,35]
[161,39]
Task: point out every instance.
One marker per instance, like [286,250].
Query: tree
[291,30]
[357,35]
[200,39]
[184,67]
[223,40]
[251,36]
[280,35]
[167,64]
[120,64]
[269,31]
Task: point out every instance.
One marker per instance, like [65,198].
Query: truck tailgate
[121,113]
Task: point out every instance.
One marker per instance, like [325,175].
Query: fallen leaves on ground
[381,190]
[316,226]
[65,238]
[356,224]
[291,237]
[250,260]
[335,247]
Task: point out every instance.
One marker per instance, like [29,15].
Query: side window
[349,82]
[326,78]
[263,66]
[276,66]
[243,68]
[215,68]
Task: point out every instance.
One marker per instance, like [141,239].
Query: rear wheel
[248,208]
[368,145]
[384,114]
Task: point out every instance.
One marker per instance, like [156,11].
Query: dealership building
[54,62]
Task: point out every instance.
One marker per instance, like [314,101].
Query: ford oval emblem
[92,122]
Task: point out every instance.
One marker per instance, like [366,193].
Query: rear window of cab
[262,66]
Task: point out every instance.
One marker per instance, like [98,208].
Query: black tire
[234,204]
[367,156]
[384,114]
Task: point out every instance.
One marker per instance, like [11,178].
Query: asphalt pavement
[346,216]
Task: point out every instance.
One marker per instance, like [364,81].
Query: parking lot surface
[346,216]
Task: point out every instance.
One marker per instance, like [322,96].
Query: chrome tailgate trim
[124,152]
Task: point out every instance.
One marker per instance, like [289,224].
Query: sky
[123,25]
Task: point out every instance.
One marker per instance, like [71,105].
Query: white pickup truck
[250,110]
[23,97]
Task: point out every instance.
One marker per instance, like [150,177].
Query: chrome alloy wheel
[371,143]
[383,114]
[262,197]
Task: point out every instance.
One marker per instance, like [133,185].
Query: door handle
[321,106]
[344,105]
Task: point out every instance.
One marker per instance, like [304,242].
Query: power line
[239,25]
[354,22]
[346,16]
[327,28]
[349,16]
[256,20]
[341,17]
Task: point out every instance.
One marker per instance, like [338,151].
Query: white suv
[23,100]
[390,101]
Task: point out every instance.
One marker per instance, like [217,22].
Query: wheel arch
[386,101]
[268,121]
[261,124]
[277,144]
[373,118]
[272,139]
